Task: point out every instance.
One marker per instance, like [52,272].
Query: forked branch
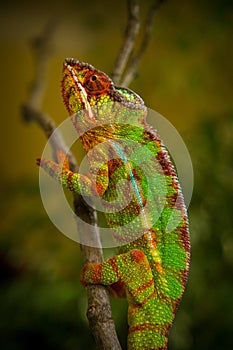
[129,40]
[127,60]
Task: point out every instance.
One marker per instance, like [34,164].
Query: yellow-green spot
[146,340]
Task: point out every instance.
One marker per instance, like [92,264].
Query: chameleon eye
[97,83]
[93,77]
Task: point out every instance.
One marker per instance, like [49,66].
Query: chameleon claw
[62,164]
[62,159]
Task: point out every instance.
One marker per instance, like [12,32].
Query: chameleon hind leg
[75,182]
[128,273]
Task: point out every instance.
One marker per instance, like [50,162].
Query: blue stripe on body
[123,157]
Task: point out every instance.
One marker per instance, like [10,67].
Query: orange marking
[99,188]
[137,255]
[144,286]
[161,329]
[159,268]
[113,264]
[96,273]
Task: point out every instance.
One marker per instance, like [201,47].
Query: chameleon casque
[151,268]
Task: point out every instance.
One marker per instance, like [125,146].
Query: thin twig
[42,48]
[133,65]
[125,57]
[131,33]
[99,310]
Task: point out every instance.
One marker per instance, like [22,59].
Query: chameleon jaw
[69,64]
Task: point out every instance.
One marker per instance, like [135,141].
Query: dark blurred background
[186,75]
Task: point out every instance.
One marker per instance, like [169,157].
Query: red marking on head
[78,78]
[96,83]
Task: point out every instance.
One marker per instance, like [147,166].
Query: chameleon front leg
[75,182]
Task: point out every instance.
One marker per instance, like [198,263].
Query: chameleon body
[151,269]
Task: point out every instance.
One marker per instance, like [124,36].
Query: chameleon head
[83,87]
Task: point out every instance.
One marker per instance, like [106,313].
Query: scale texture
[133,176]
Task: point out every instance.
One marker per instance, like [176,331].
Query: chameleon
[151,267]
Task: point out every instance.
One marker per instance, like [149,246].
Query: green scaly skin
[151,270]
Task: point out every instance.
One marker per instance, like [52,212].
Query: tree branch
[130,37]
[133,65]
[99,310]
[128,46]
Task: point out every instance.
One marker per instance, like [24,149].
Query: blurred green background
[186,75]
